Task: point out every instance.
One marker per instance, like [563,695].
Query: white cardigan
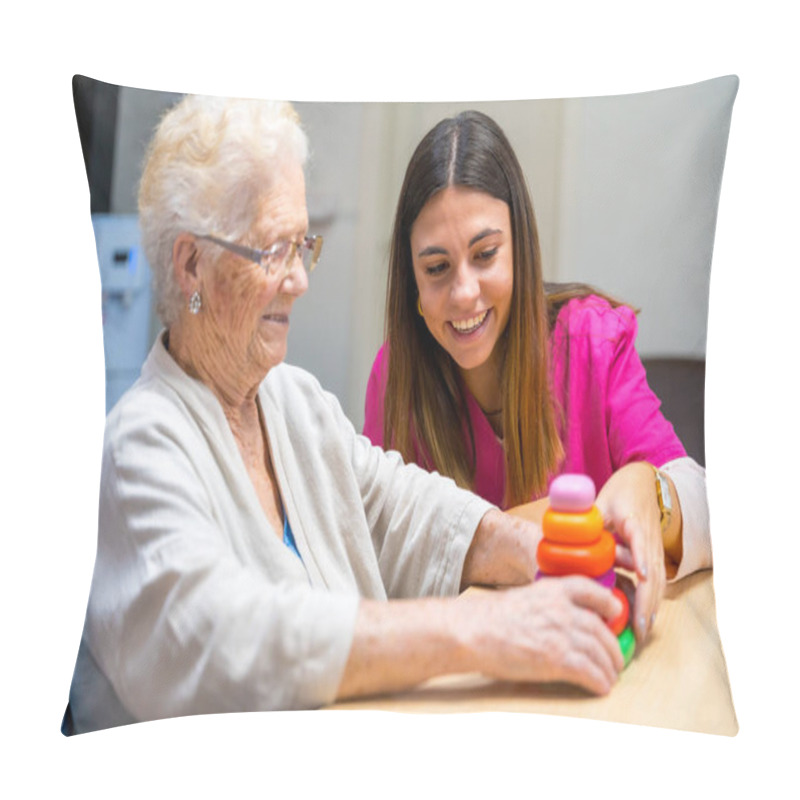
[196,605]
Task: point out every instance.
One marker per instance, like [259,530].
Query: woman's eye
[486,255]
[436,269]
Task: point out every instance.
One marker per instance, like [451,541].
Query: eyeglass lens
[307,250]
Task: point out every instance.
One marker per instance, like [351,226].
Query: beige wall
[625,197]
[624,191]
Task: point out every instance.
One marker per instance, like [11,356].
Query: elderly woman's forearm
[402,643]
[502,553]
[544,631]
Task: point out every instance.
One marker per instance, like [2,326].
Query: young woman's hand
[629,505]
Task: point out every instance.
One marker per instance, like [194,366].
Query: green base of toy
[627,643]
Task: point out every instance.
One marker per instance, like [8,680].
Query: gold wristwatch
[671,540]
[664,500]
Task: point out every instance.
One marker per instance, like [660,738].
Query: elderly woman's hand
[629,506]
[552,630]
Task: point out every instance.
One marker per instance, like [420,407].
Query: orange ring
[583,527]
[593,559]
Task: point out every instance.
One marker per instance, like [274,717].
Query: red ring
[619,622]
[593,559]
[583,527]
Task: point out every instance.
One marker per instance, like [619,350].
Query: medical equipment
[127,299]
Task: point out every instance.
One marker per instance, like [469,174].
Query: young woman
[501,382]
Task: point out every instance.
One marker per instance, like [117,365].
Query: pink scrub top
[608,415]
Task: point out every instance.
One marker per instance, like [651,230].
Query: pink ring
[607,579]
[572,492]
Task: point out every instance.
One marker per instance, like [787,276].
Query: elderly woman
[249,540]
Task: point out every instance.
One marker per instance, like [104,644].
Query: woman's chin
[467,362]
[268,353]
[469,353]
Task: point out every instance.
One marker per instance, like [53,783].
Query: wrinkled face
[463,264]
[245,310]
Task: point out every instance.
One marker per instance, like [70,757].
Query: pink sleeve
[637,430]
[610,416]
[373,403]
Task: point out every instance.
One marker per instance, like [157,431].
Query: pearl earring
[195,303]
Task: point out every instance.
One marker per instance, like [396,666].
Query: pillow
[626,191]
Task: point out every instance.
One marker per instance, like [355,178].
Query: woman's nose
[466,286]
[295,281]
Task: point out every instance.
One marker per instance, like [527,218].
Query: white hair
[207,165]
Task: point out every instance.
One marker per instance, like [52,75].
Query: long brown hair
[425,414]
[557,295]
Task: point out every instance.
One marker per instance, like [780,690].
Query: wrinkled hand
[552,630]
[630,509]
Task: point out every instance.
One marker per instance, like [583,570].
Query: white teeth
[469,325]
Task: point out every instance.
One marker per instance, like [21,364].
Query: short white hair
[207,165]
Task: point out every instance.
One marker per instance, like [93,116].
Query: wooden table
[678,679]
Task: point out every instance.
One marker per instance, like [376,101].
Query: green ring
[627,643]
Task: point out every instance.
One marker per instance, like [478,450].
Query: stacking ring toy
[627,643]
[592,559]
[579,527]
[619,622]
[571,492]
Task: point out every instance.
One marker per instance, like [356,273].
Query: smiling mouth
[470,325]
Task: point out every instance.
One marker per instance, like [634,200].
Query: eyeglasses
[280,256]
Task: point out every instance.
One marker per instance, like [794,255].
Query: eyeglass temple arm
[240,250]
[314,243]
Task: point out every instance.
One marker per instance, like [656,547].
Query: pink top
[611,417]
